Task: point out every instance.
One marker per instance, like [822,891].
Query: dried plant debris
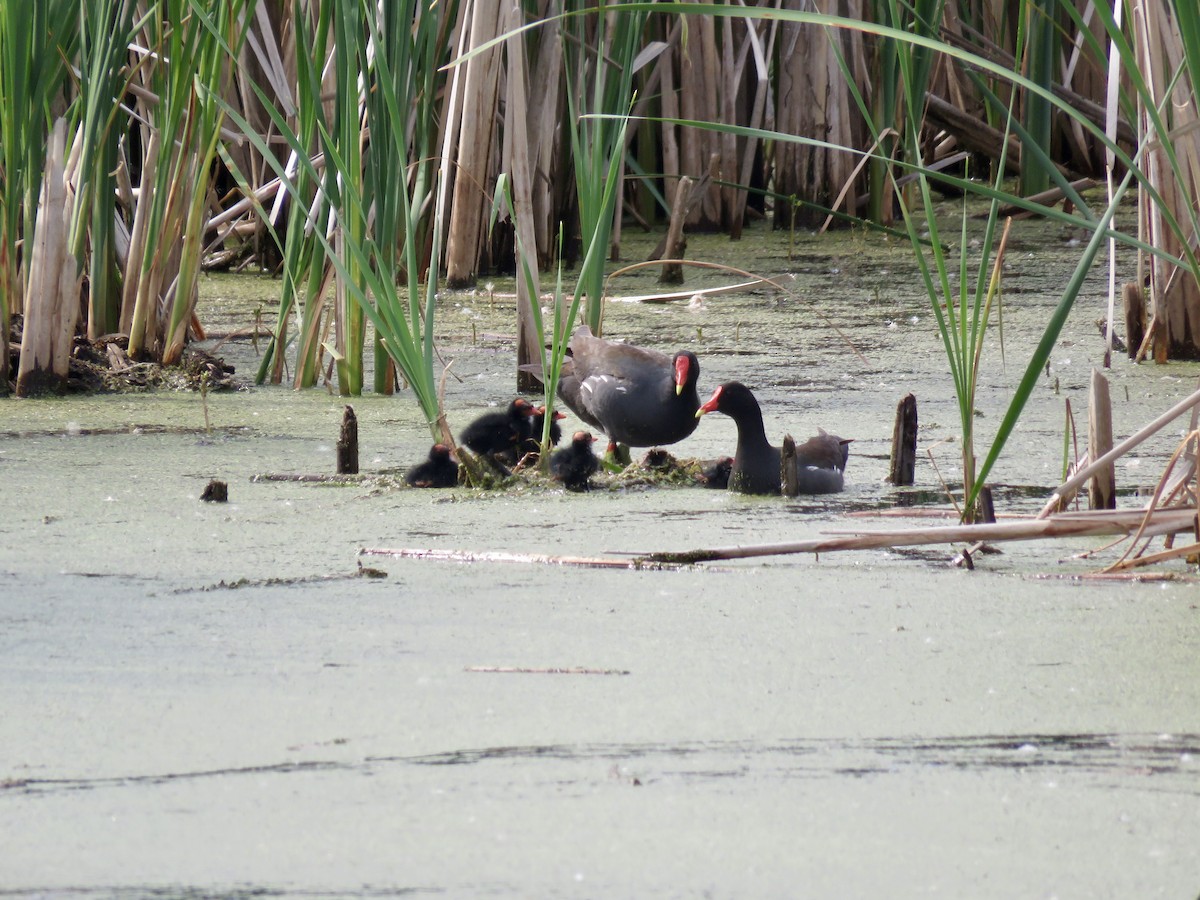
[104,366]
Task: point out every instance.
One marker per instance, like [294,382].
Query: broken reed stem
[1157,495]
[523,670]
[1145,523]
[1152,558]
[1073,483]
[311,478]
[507,557]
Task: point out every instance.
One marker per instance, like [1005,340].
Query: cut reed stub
[347,445]
[789,480]
[674,243]
[215,492]
[1134,301]
[985,507]
[904,443]
[1102,489]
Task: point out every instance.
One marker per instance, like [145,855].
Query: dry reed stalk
[519,165]
[1163,486]
[757,114]
[672,161]
[670,296]
[1123,577]
[1143,522]
[698,102]
[527,670]
[813,100]
[1150,559]
[52,301]
[1175,300]
[139,236]
[452,113]
[267,60]
[1082,475]
[730,79]
[1084,74]
[474,174]
[508,557]
[546,190]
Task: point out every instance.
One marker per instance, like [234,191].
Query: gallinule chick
[820,460]
[439,471]
[497,433]
[533,433]
[638,397]
[717,475]
[821,463]
[575,464]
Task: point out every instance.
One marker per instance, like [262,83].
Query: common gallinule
[575,464]
[638,397]
[531,437]
[497,433]
[820,460]
[439,471]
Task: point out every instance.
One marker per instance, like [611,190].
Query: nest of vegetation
[657,468]
[104,366]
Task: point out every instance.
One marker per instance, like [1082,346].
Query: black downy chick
[499,433]
[440,470]
[576,464]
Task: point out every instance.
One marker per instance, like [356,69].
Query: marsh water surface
[209,699]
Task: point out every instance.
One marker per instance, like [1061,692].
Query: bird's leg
[616,457]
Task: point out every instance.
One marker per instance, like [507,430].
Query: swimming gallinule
[821,460]
[575,464]
[638,397]
[439,471]
[499,432]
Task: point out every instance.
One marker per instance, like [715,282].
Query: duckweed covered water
[210,700]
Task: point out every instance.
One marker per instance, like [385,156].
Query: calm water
[206,700]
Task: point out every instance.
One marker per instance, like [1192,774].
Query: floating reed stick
[1145,523]
[1142,522]
[507,557]
[523,670]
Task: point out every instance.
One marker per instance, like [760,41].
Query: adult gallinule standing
[638,397]
[498,433]
[575,464]
[820,460]
[439,471]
